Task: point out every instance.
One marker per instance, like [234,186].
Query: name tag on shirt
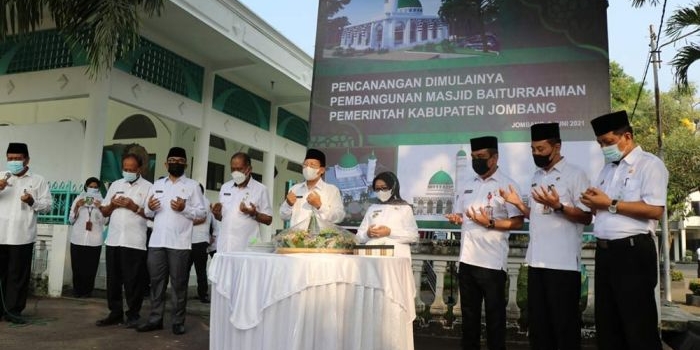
[227,194]
[468,191]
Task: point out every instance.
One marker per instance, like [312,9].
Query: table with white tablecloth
[311,301]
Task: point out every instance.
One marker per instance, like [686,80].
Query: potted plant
[694,297]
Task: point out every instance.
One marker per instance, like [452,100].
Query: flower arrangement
[327,238]
[315,234]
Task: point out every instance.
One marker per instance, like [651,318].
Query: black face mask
[176,169]
[480,166]
[542,161]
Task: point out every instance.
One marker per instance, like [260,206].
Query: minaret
[390,7]
[461,170]
[371,167]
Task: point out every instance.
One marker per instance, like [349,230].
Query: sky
[628,32]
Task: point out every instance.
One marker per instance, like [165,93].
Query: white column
[676,246]
[512,309]
[590,305]
[457,309]
[681,226]
[201,145]
[59,270]
[268,173]
[95,128]
[417,272]
[438,308]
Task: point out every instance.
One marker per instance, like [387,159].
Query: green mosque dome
[461,153]
[347,161]
[409,3]
[441,178]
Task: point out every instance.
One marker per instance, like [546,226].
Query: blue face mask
[130,177]
[612,153]
[15,166]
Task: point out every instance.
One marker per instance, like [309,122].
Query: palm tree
[103,29]
[684,22]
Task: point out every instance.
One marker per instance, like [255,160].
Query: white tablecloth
[311,301]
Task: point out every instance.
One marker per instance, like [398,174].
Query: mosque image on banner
[401,25]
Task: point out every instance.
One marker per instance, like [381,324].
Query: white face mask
[612,153]
[310,173]
[383,196]
[238,177]
[92,191]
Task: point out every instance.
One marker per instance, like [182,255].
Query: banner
[402,85]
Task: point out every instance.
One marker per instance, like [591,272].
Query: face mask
[480,166]
[238,177]
[129,177]
[92,191]
[176,169]
[612,153]
[15,166]
[542,161]
[310,173]
[383,196]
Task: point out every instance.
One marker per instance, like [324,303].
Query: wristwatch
[613,207]
[492,224]
[560,209]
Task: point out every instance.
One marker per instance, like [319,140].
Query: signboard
[402,85]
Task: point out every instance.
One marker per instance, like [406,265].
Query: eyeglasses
[311,165]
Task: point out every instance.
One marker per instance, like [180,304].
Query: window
[137,126]
[215,176]
[695,206]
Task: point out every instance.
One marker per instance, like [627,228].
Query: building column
[95,124]
[268,174]
[681,227]
[201,145]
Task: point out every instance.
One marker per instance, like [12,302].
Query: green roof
[461,153]
[409,3]
[348,160]
[441,178]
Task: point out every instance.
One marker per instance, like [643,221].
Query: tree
[684,22]
[681,143]
[330,37]
[467,17]
[105,30]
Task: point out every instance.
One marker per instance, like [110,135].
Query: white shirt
[484,247]
[215,229]
[172,229]
[331,211]
[18,219]
[555,242]
[237,228]
[641,176]
[79,234]
[399,218]
[200,233]
[126,228]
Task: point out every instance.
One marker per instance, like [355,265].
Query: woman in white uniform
[391,221]
[86,237]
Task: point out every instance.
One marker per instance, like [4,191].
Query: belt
[620,243]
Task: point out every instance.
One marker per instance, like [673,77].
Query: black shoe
[15,319]
[131,323]
[109,321]
[148,326]
[179,328]
[205,299]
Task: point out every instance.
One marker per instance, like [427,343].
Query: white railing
[438,309]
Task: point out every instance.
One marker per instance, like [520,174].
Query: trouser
[198,258]
[164,263]
[84,262]
[553,309]
[15,269]
[625,306]
[477,284]
[125,268]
